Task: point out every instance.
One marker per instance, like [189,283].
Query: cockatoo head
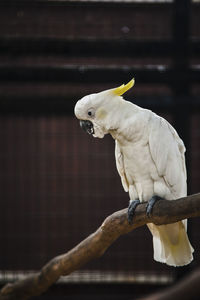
[99,113]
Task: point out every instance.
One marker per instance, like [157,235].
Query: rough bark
[164,212]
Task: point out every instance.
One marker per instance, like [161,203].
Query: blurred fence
[57,184]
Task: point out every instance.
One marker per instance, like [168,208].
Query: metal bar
[181,65]
[94,73]
[181,88]
[97,4]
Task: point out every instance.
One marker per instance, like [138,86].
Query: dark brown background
[57,184]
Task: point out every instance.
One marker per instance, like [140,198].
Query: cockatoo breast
[141,172]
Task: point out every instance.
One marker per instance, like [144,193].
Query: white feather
[155,165]
[150,160]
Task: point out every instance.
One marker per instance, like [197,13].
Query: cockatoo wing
[120,166]
[167,151]
[171,244]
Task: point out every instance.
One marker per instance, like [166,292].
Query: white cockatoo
[150,160]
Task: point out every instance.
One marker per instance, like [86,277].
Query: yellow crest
[124,88]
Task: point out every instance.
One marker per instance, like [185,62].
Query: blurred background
[58,184]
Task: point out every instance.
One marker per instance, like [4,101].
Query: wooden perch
[164,212]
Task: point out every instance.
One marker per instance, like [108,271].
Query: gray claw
[131,209]
[151,204]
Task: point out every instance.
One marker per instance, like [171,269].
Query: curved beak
[87,126]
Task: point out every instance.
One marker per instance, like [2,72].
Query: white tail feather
[171,244]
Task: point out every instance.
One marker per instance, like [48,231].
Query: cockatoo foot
[151,204]
[131,210]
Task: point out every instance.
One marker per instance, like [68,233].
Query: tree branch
[164,212]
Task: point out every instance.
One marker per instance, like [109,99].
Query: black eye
[90,112]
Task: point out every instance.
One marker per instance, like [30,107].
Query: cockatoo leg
[151,204]
[131,209]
